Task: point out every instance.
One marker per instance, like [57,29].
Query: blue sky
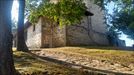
[129,42]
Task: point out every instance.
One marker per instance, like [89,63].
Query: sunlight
[15,10]
[128,41]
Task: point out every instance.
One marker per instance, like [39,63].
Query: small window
[33,27]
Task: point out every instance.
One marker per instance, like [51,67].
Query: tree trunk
[6,56]
[21,45]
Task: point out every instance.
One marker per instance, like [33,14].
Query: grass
[14,48]
[27,64]
[102,53]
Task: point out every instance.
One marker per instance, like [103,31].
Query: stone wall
[78,34]
[33,36]
[52,34]
[45,34]
[91,31]
[59,37]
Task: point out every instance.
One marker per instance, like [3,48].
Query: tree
[62,12]
[21,45]
[123,17]
[6,56]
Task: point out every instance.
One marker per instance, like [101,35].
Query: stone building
[91,31]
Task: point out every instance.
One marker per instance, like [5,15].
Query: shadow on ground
[88,70]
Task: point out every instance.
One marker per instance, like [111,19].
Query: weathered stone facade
[33,35]
[52,34]
[91,31]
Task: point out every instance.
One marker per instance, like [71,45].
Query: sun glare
[15,10]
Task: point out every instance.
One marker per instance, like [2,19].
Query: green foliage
[123,17]
[65,12]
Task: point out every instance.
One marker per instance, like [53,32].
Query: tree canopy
[65,12]
[123,17]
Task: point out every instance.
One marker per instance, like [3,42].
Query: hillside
[75,61]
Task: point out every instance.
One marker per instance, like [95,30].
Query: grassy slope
[27,64]
[106,53]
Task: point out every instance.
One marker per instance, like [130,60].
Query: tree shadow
[17,72]
[71,65]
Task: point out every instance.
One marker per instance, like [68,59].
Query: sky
[15,10]
[129,42]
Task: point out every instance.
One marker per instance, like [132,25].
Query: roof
[88,13]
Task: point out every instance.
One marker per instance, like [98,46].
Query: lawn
[110,54]
[28,64]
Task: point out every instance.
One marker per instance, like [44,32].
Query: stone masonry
[91,31]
